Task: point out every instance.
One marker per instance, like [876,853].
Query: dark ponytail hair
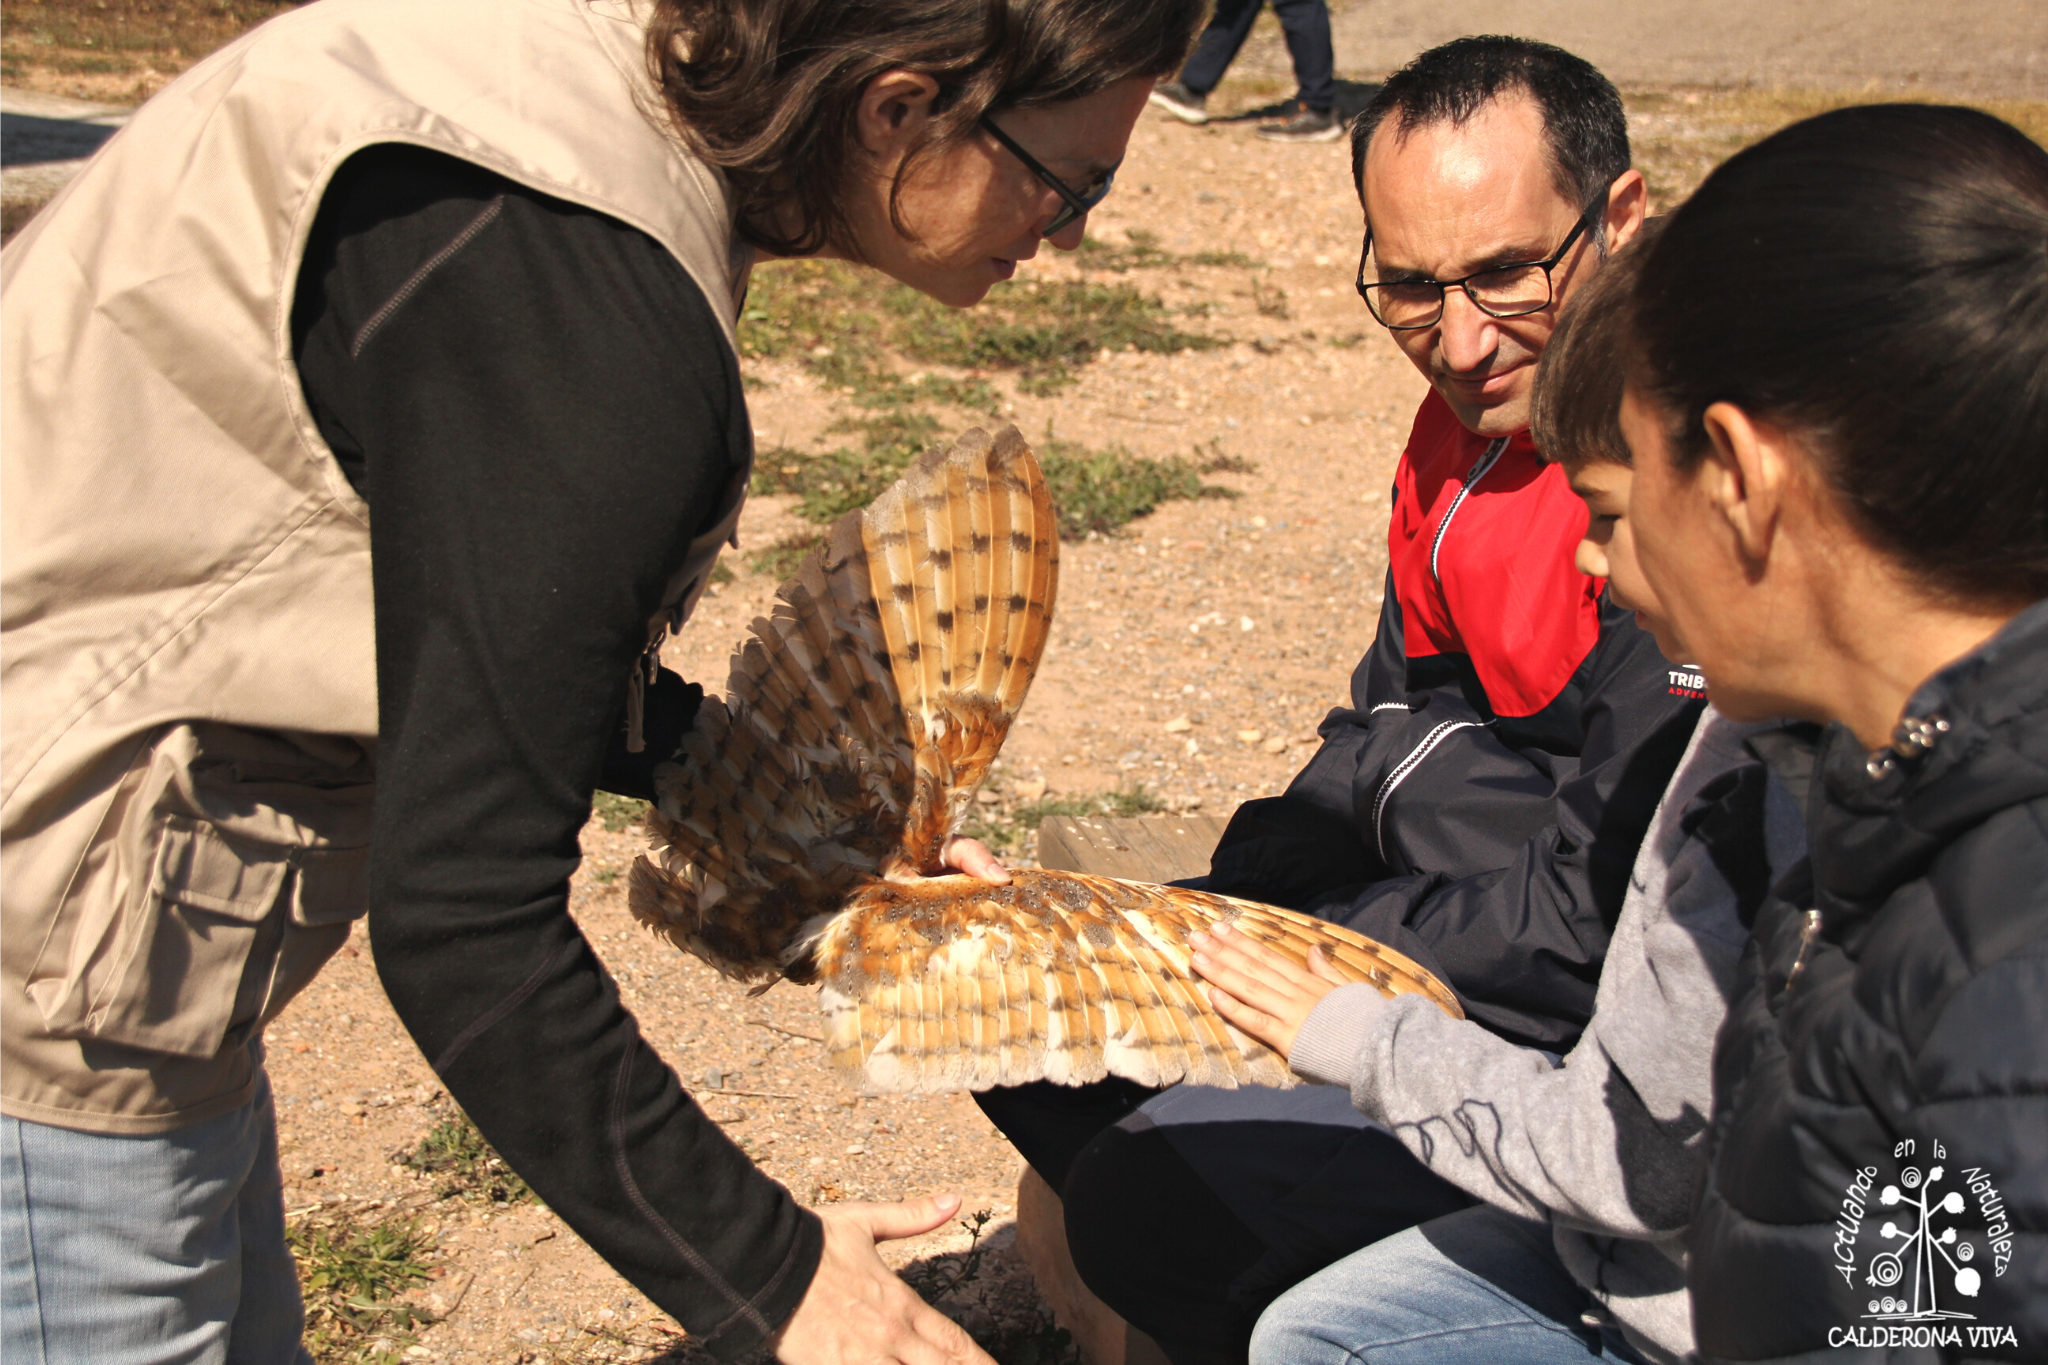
[769,90]
[1876,279]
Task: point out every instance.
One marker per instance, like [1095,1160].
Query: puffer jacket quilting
[1913,1009]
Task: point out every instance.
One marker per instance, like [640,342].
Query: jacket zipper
[1437,735]
[1809,931]
[1408,765]
[1477,472]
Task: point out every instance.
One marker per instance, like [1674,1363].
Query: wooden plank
[1144,848]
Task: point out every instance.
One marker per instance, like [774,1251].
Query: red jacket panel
[1481,547]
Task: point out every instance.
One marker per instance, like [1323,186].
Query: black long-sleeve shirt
[537,404]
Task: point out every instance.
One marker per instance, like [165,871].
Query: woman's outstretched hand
[857,1312]
[973,857]
[1258,990]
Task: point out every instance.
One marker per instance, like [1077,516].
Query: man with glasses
[1479,804]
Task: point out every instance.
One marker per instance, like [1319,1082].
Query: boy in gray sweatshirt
[1587,1166]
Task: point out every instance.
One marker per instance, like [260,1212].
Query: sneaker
[1307,125]
[1181,102]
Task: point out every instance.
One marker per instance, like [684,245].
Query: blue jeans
[148,1250]
[1304,23]
[1470,1288]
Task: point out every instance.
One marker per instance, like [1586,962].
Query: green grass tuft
[616,813]
[781,560]
[353,1274]
[468,1167]
[1093,489]
[844,324]
[1140,250]
[1009,829]
[1101,490]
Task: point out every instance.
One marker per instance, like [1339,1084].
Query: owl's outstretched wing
[860,718]
[952,984]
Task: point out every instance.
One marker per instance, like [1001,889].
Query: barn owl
[797,833]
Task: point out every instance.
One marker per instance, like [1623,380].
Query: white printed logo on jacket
[1900,1241]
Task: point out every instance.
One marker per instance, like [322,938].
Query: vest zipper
[1477,472]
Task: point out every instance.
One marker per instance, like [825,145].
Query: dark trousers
[1189,1210]
[1306,23]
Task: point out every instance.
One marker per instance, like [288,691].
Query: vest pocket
[167,971]
[330,890]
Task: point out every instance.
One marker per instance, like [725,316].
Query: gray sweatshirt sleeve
[1608,1141]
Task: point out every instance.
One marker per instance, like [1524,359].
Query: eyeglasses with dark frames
[1076,203]
[1505,291]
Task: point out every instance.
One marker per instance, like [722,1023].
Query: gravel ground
[1194,653]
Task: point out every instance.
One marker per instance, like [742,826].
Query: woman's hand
[856,1311]
[973,857]
[1258,990]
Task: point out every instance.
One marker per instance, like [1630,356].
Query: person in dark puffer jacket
[1839,413]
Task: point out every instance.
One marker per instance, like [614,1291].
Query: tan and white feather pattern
[798,833]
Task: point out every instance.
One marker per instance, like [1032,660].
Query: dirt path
[1976,49]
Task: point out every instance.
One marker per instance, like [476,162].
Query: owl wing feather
[795,833]
[949,983]
[861,716]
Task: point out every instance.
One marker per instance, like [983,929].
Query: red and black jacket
[1480,803]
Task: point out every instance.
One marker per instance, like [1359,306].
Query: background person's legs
[1217,48]
[147,1250]
[1471,1288]
[1306,24]
[1198,1208]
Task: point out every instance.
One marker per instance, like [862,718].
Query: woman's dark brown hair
[769,90]
[1575,409]
[1876,280]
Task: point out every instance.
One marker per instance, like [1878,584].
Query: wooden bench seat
[1142,848]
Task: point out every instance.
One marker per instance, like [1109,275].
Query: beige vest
[187,671]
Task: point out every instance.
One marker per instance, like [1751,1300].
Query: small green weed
[616,813]
[1100,490]
[1093,489]
[468,1166]
[1008,830]
[1014,1332]
[940,1276]
[844,323]
[781,560]
[1235,260]
[1270,300]
[1140,250]
[838,480]
[353,1274]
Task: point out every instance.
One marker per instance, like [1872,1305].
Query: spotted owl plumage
[797,833]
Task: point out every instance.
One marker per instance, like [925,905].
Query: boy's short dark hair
[1584,125]
[1575,411]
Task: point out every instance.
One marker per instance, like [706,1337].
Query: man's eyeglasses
[1076,202]
[1506,291]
